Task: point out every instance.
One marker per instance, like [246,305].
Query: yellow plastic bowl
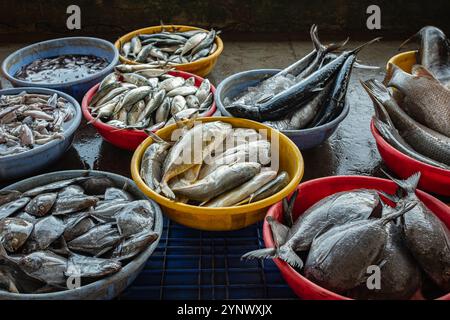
[231,218]
[201,67]
[404,61]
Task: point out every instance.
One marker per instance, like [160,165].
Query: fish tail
[359,48]
[315,38]
[154,137]
[404,43]
[404,209]
[378,95]
[288,255]
[288,207]
[165,189]
[94,119]
[284,253]
[279,231]
[408,185]
[267,253]
[335,46]
[376,89]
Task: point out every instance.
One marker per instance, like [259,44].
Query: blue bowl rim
[101,73]
[74,123]
[300,132]
[134,263]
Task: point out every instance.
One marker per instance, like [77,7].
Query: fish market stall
[190,262]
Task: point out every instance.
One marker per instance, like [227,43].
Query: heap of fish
[213,165]
[344,234]
[413,112]
[141,97]
[82,227]
[61,69]
[307,94]
[170,46]
[29,120]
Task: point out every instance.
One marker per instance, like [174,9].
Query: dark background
[26,20]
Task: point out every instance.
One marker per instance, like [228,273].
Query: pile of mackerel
[307,94]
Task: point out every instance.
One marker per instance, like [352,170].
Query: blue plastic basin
[234,85]
[28,162]
[108,287]
[52,48]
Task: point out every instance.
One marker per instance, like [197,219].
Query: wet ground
[351,150]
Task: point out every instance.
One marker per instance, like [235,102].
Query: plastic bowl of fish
[37,126]
[412,116]
[74,235]
[186,48]
[137,98]
[335,234]
[217,174]
[71,65]
[306,100]
[434,179]
[306,138]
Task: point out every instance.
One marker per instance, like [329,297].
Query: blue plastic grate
[193,265]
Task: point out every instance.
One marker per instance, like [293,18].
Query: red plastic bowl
[131,139]
[433,179]
[313,191]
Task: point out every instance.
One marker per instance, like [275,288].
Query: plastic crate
[193,265]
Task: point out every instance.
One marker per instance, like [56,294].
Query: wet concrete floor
[351,150]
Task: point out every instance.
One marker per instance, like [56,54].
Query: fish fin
[288,207]
[359,48]
[243,202]
[165,189]
[315,38]
[279,231]
[404,43]
[406,207]
[154,136]
[420,71]
[376,90]
[321,47]
[267,253]
[408,185]
[381,126]
[381,113]
[284,253]
[391,197]
[288,255]
[334,46]
[377,212]
[359,65]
